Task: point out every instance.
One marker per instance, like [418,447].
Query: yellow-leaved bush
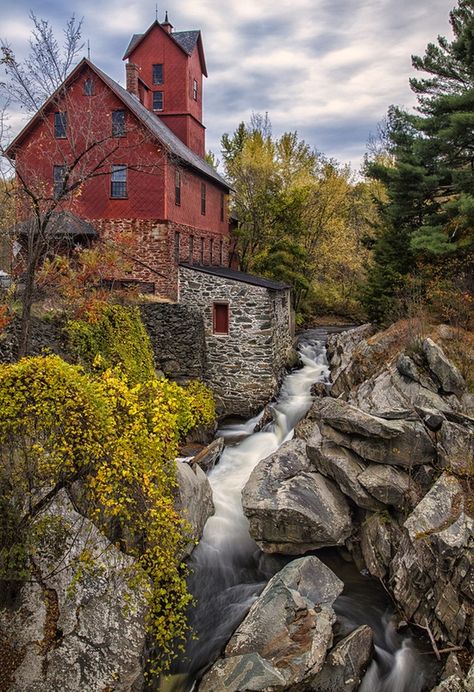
[59,424]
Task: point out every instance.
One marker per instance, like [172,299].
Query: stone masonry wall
[282,328]
[243,367]
[177,338]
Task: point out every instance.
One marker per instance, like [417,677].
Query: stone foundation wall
[154,255]
[177,338]
[243,367]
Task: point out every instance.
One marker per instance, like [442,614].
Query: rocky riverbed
[381,467]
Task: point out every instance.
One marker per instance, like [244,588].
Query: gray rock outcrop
[291,507]
[398,442]
[79,623]
[284,638]
[193,501]
[448,376]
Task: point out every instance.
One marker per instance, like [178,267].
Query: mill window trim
[195,89]
[60,125]
[158,100]
[177,188]
[203,199]
[118,182]
[59,174]
[118,123]
[220,318]
[157,76]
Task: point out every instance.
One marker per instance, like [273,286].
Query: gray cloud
[327,68]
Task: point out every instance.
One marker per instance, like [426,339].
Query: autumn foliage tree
[302,218]
[428,171]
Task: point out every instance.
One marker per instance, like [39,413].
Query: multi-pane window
[220,318]
[157,100]
[177,188]
[157,74]
[191,248]
[118,184]
[59,174]
[195,89]
[89,87]
[177,243]
[60,125]
[203,198]
[118,123]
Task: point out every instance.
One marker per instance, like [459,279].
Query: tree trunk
[26,304]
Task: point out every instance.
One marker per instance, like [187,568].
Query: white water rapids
[228,570]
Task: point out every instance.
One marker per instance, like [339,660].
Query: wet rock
[391,486]
[83,632]
[321,389]
[290,507]
[208,457]
[290,624]
[248,673]
[452,667]
[407,367]
[345,664]
[379,536]
[398,442]
[447,374]
[340,351]
[344,467]
[440,517]
[431,417]
[193,500]
[434,560]
[456,448]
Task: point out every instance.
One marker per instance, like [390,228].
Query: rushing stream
[228,570]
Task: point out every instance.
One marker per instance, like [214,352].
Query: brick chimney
[132,78]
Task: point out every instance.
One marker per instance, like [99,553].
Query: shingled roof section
[161,131]
[136,38]
[227,273]
[186,39]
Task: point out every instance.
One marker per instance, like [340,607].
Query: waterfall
[227,569]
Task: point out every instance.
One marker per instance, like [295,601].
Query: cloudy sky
[326,68]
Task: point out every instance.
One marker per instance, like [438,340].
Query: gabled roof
[63,224]
[186,40]
[233,275]
[151,121]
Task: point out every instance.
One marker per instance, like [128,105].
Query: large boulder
[346,663]
[391,486]
[291,508]
[341,348]
[447,374]
[456,448]
[432,572]
[286,633]
[193,501]
[399,442]
[78,626]
[344,467]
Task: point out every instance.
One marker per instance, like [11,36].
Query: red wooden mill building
[141,156]
[108,159]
